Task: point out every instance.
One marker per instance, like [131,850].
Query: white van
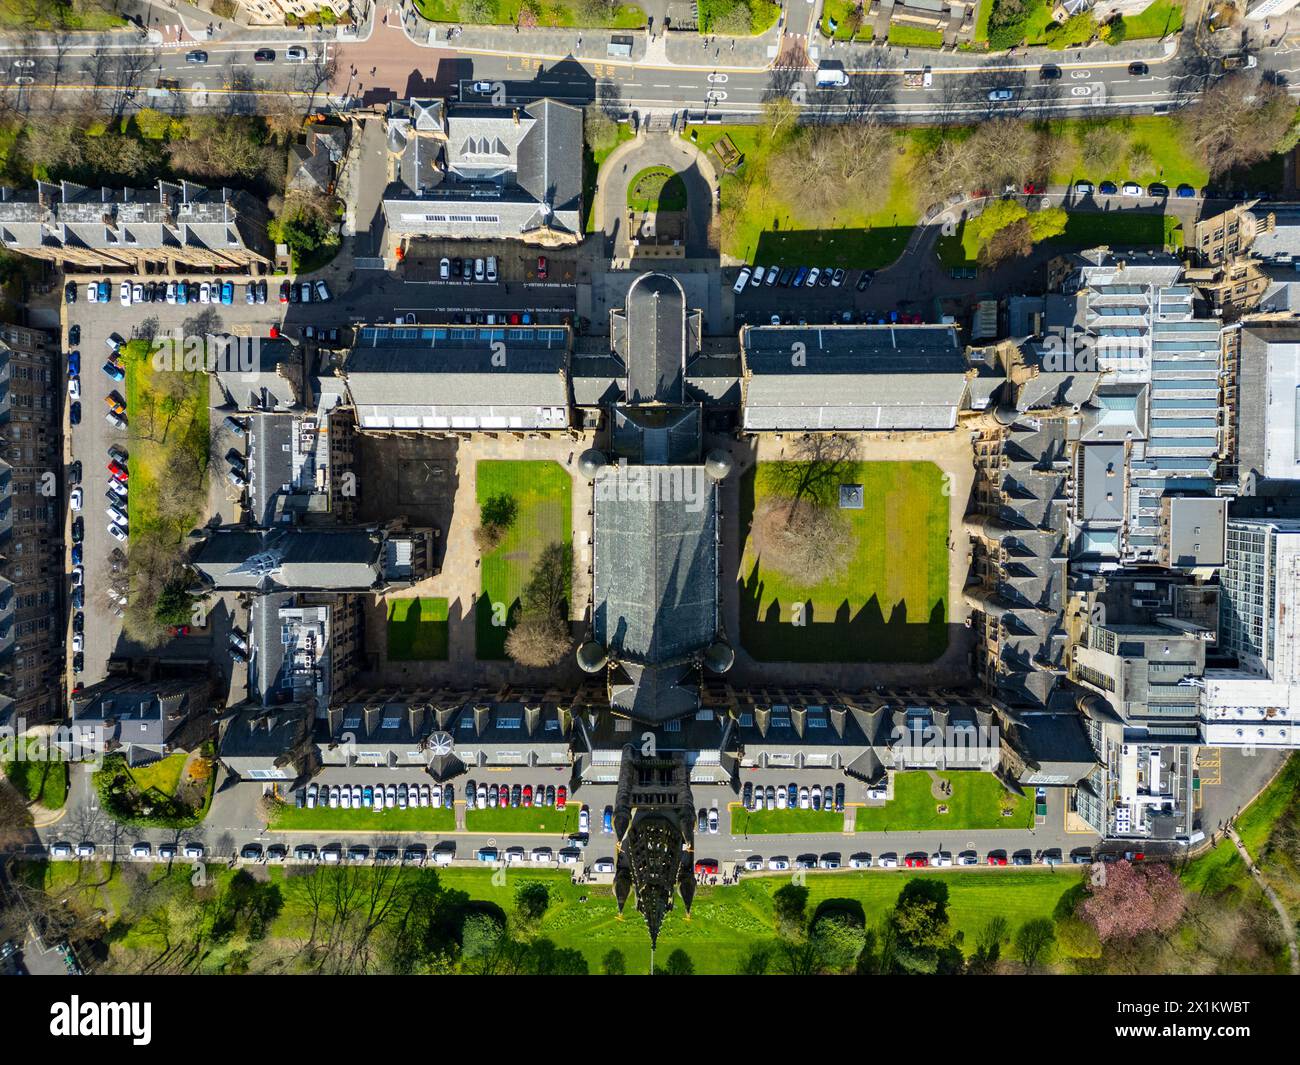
[831,77]
[741,281]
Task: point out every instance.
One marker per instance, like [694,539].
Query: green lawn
[85,18]
[163,775]
[721,16]
[521,819]
[768,230]
[839,11]
[1158,137]
[901,35]
[540,13]
[725,921]
[37,778]
[656,188]
[976,802]
[1084,229]
[1161,18]
[543,492]
[417,629]
[165,423]
[757,822]
[323,819]
[890,602]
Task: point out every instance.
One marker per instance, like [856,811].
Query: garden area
[845,20]
[1014,22]
[737,18]
[525,509]
[75,15]
[903,35]
[881,596]
[38,777]
[417,629]
[1082,229]
[971,800]
[172,792]
[532,14]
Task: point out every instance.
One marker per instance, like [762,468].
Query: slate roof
[294,558]
[471,377]
[852,377]
[651,335]
[655,568]
[506,172]
[261,385]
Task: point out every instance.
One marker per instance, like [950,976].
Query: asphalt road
[388,65]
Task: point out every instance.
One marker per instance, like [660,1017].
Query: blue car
[227,292]
[1108,188]
[76,554]
[607,822]
[182,292]
[793,793]
[103,292]
[1186,191]
[74,413]
[114,371]
[367,797]
[799,277]
[74,363]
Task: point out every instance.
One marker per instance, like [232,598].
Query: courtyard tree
[829,170]
[496,516]
[1034,941]
[1239,120]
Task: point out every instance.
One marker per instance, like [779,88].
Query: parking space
[512,263]
[822,302]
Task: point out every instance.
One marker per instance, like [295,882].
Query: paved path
[656,149]
[1288,926]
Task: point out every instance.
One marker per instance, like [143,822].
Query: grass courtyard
[889,604]
[527,13]
[1084,229]
[163,793]
[417,629]
[542,492]
[977,801]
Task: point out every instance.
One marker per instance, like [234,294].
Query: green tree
[531,899]
[679,964]
[790,903]
[175,606]
[838,940]
[1034,940]
[613,963]
[1076,938]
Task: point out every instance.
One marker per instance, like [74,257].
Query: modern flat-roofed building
[1261,597]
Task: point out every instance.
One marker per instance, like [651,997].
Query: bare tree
[1238,121]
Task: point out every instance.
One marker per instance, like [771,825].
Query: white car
[205,293]
[141,850]
[390,796]
[358,795]
[542,854]
[777,865]
[742,280]
[568,856]
[92,293]
[782,798]
[1131,188]
[813,275]
[78,576]
[117,533]
[584,820]
[515,855]
[75,498]
[193,850]
[334,797]
[85,850]
[713,821]
[78,643]
[444,269]
[603,865]
[860,861]
[431,797]
[998,95]
[942,859]
[296,54]
[888,861]
[60,850]
[124,294]
[331,855]
[311,796]
[757,278]
[345,798]
[754,863]
[377,799]
[137,293]
[115,515]
[804,801]
[74,387]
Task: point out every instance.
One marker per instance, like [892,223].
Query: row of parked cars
[916,860]
[166,851]
[797,277]
[376,797]
[540,856]
[792,797]
[484,795]
[1131,188]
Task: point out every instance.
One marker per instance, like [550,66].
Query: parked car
[264,55]
[584,819]
[860,861]
[1108,188]
[141,850]
[196,56]
[1132,188]
[742,280]
[1000,95]
[713,820]
[322,292]
[541,268]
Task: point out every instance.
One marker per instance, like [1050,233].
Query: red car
[997,859]
[541,268]
[1033,188]
[118,471]
[178,630]
[561,797]
[918,862]
[528,795]
[706,867]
